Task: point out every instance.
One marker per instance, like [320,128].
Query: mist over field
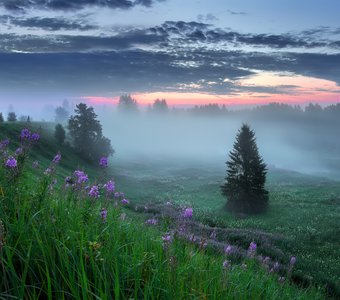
[304,146]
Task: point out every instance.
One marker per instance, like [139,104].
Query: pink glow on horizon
[294,89]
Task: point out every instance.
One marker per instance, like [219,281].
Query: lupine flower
[226,264]
[103,214]
[228,249]
[292,260]
[103,162]
[116,194]
[35,165]
[19,151]
[151,221]
[94,191]
[188,213]
[11,162]
[25,134]
[57,158]
[125,201]
[81,176]
[109,186]
[35,137]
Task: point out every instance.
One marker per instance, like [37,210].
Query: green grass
[57,247]
[304,211]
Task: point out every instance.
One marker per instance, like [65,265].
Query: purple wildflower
[252,247]
[228,249]
[166,238]
[57,158]
[103,162]
[4,144]
[116,194]
[35,165]
[292,260]
[188,213]
[11,162]
[103,214]
[94,191]
[25,134]
[35,137]
[151,221]
[125,201]
[19,151]
[81,176]
[226,264]
[109,186]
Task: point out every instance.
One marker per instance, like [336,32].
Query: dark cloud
[49,24]
[179,56]
[19,5]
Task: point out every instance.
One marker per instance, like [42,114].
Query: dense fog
[304,144]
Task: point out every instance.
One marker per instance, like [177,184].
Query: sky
[233,52]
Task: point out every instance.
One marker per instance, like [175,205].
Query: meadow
[66,242]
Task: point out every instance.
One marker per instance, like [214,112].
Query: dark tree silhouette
[86,134]
[1,118]
[160,106]
[246,175]
[127,104]
[60,134]
[12,117]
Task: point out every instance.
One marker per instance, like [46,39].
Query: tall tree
[12,117]
[160,106]
[246,175]
[1,118]
[61,115]
[86,133]
[127,104]
[59,134]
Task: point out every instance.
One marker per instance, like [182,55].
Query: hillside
[72,242]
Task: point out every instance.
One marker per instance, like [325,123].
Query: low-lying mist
[307,147]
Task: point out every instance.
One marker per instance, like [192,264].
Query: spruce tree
[246,175]
[1,118]
[86,134]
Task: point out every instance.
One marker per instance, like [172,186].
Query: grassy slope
[59,246]
[304,210]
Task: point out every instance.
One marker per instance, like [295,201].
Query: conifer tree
[86,134]
[246,175]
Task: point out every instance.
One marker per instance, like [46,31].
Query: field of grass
[304,210]
[55,244]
